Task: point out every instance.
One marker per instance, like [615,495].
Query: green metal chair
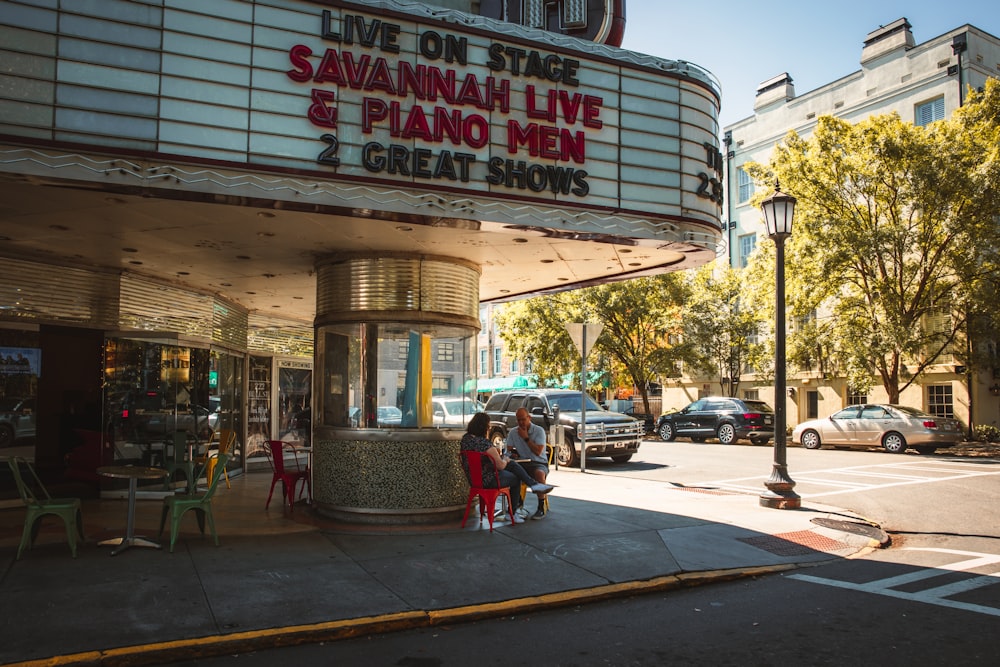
[178,461]
[201,503]
[39,503]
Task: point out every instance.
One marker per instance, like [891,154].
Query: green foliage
[893,244]
[986,433]
[638,317]
[721,325]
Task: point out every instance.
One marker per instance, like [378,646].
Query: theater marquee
[440,105]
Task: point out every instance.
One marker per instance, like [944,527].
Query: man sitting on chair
[528,442]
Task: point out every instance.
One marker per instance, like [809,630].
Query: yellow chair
[41,503]
[225,442]
[551,456]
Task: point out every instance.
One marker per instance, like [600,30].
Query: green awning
[570,381]
[489,385]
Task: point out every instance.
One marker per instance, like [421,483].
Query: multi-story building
[922,83]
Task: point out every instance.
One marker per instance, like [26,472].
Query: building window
[497,357]
[928,112]
[446,352]
[751,395]
[747,244]
[857,399]
[745,185]
[812,405]
[404,349]
[514,366]
[939,401]
[440,385]
[483,362]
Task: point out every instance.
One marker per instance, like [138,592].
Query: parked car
[147,416]
[608,433]
[17,419]
[893,427]
[454,410]
[388,415]
[723,417]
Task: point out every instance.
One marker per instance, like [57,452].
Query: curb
[255,640]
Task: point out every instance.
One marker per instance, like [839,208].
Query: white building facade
[920,82]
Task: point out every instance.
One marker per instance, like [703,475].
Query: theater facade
[281,216]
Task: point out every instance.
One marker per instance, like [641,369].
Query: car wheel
[623,458]
[726,434]
[6,436]
[666,431]
[810,440]
[498,439]
[894,443]
[926,450]
[566,453]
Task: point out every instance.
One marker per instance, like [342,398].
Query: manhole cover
[855,527]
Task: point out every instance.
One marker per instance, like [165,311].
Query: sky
[744,44]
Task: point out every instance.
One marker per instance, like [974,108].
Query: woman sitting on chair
[510,473]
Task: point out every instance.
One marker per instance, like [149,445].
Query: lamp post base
[780,494]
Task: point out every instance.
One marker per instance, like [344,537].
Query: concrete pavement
[284,577]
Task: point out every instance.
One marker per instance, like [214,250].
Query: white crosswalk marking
[833,481]
[937,595]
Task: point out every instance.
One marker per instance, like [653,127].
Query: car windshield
[571,403]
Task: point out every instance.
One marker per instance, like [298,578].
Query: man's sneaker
[517,518]
[522,512]
[539,487]
[539,514]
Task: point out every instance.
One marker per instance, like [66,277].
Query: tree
[895,232]
[721,326]
[638,315]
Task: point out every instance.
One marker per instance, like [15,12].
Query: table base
[124,543]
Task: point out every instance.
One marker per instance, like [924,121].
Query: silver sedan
[894,427]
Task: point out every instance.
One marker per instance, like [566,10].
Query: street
[932,597]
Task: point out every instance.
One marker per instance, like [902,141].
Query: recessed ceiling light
[548,261]
[251,292]
[130,250]
[625,251]
[265,234]
[505,291]
[299,298]
[564,279]
[136,262]
[635,263]
[265,214]
[520,240]
[403,228]
[183,273]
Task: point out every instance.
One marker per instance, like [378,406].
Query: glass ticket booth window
[388,376]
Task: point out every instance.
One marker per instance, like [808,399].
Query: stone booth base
[389,476]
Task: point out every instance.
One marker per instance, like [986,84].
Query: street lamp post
[779,209]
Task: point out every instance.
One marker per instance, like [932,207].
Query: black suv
[608,433]
[722,417]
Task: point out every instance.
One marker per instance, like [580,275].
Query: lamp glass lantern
[778,209]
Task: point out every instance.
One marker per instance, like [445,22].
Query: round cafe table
[133,474]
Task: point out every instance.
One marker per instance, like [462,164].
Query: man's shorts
[532,466]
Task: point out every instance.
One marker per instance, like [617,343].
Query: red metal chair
[473,463]
[289,478]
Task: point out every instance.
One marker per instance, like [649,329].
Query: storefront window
[20,368]
[387,376]
[154,390]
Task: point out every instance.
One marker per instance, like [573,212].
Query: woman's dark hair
[479,424]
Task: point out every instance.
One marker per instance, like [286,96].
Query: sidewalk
[283,577]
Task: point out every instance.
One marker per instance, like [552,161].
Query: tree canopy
[895,235]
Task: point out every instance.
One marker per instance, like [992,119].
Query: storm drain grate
[799,543]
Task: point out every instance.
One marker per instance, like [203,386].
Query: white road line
[938,595]
[834,477]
